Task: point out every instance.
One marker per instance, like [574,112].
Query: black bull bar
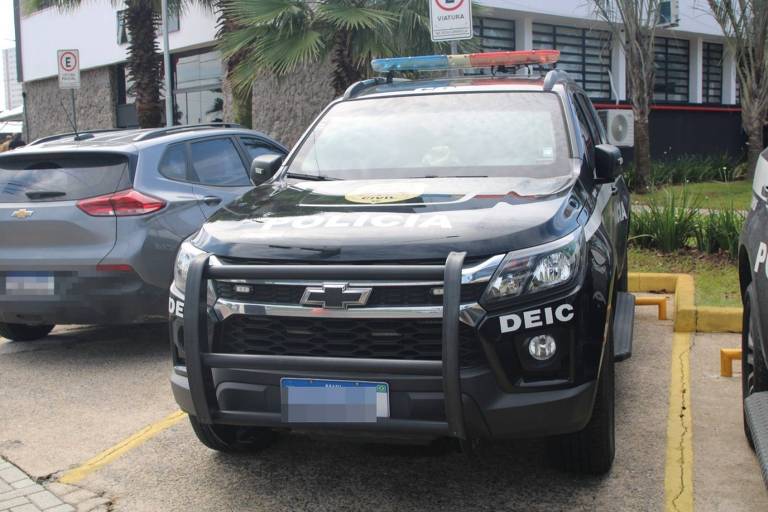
[201,361]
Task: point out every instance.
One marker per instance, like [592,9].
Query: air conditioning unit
[669,13]
[620,126]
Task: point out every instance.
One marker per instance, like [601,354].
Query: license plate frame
[38,284]
[309,400]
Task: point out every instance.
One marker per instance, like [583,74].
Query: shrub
[667,224]
[718,230]
[691,169]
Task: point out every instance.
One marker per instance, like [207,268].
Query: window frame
[192,176]
[478,26]
[664,65]
[586,34]
[709,76]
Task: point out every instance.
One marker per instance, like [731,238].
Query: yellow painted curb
[678,471]
[688,317]
[713,319]
[75,475]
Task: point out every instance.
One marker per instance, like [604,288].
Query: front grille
[414,339]
[381,296]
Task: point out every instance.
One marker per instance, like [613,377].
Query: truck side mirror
[264,167]
[608,162]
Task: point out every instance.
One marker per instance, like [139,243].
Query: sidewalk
[19,493]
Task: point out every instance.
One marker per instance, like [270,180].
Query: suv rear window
[51,177]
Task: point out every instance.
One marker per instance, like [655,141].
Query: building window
[712,73]
[584,53]
[495,34]
[123,37]
[672,69]
[197,88]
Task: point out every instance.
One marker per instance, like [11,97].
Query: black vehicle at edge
[482,301]
[753,278]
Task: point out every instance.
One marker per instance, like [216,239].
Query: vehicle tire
[231,438]
[23,332]
[754,373]
[591,451]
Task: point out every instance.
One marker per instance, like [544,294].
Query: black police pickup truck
[439,259]
[753,276]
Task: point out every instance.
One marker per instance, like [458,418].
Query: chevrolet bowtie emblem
[335,296]
[22,214]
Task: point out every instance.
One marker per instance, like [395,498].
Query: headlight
[187,252]
[536,269]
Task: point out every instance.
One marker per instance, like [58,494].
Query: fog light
[542,347]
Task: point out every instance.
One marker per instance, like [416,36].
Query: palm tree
[279,36]
[144,63]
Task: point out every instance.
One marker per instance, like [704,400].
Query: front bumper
[434,398]
[88,297]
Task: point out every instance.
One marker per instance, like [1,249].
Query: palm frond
[266,11]
[348,17]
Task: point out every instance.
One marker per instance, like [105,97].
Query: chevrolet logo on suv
[22,213]
[335,296]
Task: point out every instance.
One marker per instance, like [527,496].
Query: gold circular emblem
[384,193]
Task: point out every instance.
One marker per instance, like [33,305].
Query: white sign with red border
[69,69]
[450,20]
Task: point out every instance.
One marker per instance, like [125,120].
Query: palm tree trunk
[143,62]
[345,70]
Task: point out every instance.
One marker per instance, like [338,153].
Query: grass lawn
[717,278]
[712,194]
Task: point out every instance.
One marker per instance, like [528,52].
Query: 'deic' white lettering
[505,323]
[564,313]
[533,318]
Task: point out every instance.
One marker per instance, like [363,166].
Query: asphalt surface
[82,390]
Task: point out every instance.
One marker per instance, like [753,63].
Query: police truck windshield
[497,134]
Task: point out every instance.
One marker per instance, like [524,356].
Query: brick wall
[95,104]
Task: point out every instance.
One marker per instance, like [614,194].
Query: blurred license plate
[333,401]
[29,283]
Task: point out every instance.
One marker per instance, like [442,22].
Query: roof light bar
[468,60]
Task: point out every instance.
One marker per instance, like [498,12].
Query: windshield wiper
[44,194]
[310,177]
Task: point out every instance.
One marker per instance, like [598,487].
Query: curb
[688,317]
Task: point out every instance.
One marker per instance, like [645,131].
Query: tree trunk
[754,127]
[345,71]
[642,159]
[143,62]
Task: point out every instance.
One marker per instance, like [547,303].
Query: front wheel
[232,438]
[754,373]
[591,451]
[23,332]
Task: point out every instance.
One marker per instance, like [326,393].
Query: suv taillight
[121,204]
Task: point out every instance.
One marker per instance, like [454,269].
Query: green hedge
[691,169]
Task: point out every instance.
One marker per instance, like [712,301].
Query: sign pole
[167,67]
[74,110]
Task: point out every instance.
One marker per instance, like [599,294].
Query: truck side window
[258,147]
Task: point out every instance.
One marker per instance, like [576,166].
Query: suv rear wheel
[591,450]
[754,373]
[23,332]
[232,438]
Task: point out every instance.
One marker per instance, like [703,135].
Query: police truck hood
[391,220]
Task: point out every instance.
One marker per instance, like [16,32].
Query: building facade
[695,78]
[11,86]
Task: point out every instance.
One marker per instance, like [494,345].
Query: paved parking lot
[83,390]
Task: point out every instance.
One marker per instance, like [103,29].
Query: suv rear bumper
[93,297]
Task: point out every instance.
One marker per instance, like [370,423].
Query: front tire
[754,373]
[591,451]
[232,438]
[23,332]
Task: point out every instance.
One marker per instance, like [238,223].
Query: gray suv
[90,223]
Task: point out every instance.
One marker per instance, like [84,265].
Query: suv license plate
[333,401]
[29,283]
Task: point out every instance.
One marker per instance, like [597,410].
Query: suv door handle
[211,200]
